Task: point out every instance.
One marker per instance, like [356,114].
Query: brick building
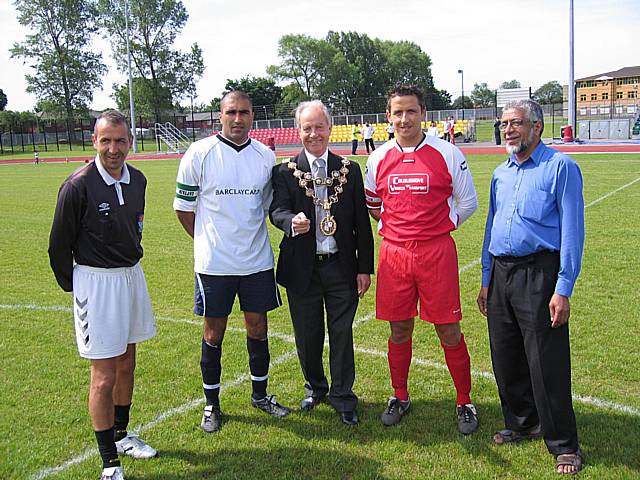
[616,92]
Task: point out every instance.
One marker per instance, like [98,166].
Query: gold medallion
[328,225]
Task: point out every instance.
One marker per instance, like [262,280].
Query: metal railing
[172,137]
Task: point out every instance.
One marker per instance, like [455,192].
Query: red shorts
[412,270]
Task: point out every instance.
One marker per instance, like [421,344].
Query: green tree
[550,92]
[15,121]
[153,26]
[263,91]
[457,103]
[3,100]
[303,60]
[482,96]
[149,99]
[352,72]
[66,72]
[510,84]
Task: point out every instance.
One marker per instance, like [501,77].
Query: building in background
[614,93]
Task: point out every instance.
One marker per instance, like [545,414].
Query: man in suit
[326,257]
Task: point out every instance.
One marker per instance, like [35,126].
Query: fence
[61,135]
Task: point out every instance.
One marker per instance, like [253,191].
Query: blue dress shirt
[534,206]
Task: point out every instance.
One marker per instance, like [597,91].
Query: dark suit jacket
[353,236]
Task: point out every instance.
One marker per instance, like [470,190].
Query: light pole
[132,114]
[462,81]
[572,86]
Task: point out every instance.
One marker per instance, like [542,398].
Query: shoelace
[466,414]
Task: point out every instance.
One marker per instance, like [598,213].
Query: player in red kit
[420,188]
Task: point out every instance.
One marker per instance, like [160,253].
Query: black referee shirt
[91,226]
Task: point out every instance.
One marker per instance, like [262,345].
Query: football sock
[211,369]
[459,365]
[107,448]
[399,356]
[121,416]
[259,366]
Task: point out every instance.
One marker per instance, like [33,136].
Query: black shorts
[215,294]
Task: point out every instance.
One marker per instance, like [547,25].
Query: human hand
[300,224]
[363,280]
[559,310]
[482,300]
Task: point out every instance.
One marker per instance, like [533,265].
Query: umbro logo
[103,207]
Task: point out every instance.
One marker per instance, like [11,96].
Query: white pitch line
[377,353]
[288,338]
[90,452]
[612,193]
[185,407]
[478,261]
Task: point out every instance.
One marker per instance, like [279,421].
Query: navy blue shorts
[215,294]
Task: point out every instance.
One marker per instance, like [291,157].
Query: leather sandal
[511,436]
[571,459]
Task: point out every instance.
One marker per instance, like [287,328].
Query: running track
[290,150]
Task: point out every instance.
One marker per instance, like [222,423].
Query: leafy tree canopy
[65,71]
[3,100]
[153,26]
[482,95]
[510,84]
[550,92]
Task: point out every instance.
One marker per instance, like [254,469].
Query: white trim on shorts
[111,309]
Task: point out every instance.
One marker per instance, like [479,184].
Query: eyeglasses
[515,123]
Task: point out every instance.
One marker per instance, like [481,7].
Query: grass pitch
[45,431]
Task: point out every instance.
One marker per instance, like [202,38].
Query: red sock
[459,365]
[399,356]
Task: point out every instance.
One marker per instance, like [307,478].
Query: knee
[214,329]
[256,325]
[126,365]
[449,334]
[401,332]
[102,382]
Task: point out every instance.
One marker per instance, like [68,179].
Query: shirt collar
[535,156]
[312,158]
[108,179]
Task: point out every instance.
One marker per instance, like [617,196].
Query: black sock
[211,368]
[259,366]
[107,448]
[121,416]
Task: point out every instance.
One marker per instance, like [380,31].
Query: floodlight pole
[462,81]
[132,114]
[571,89]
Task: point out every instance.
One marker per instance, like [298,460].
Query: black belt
[527,258]
[323,257]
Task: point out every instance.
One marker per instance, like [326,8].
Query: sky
[492,41]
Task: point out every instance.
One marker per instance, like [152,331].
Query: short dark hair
[237,94]
[113,117]
[405,90]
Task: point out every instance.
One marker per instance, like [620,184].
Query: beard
[521,147]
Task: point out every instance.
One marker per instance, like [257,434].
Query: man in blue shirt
[531,259]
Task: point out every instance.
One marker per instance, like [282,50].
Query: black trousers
[531,360]
[329,289]
[354,147]
[368,142]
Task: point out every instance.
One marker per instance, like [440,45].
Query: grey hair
[113,117]
[302,106]
[532,110]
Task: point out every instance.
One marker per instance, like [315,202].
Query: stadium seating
[341,133]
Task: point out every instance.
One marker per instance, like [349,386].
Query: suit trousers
[329,289]
[531,360]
